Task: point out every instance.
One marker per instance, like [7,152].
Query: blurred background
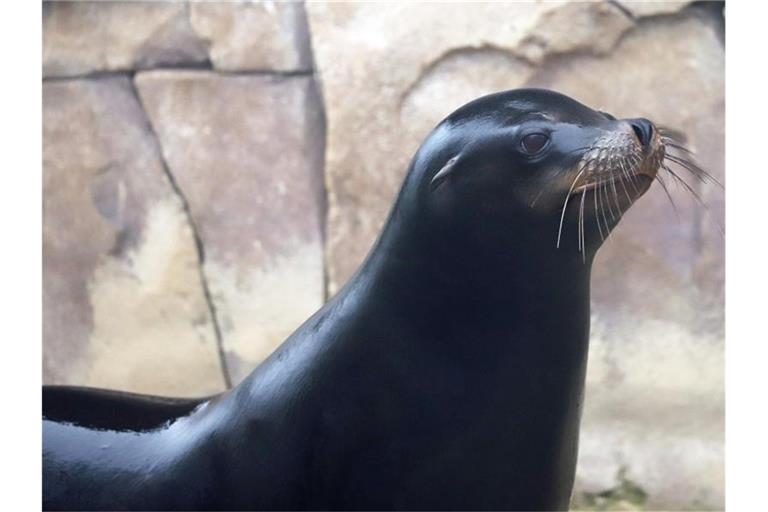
[214,172]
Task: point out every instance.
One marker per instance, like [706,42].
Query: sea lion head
[534,165]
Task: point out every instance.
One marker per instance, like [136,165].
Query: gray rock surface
[654,409]
[85,37]
[254,35]
[247,153]
[122,302]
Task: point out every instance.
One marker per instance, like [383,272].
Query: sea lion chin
[448,373]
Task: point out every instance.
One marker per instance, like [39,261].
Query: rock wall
[213,171]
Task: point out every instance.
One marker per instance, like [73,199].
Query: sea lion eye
[533,143]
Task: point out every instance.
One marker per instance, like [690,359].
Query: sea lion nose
[643,128]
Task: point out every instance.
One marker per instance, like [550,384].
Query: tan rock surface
[122,302]
[83,37]
[250,35]
[247,152]
[644,8]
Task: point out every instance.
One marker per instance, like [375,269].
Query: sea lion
[447,374]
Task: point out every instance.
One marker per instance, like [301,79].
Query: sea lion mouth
[619,157]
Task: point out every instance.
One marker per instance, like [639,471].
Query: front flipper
[113,410]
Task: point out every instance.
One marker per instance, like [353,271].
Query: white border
[21,253]
[746,303]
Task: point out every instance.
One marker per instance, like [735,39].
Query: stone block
[123,305]
[86,37]
[257,36]
[247,153]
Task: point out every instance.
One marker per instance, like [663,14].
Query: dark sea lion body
[447,374]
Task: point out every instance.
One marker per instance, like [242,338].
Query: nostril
[638,132]
[643,128]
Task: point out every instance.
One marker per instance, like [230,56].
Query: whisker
[676,140]
[629,177]
[697,198]
[604,199]
[611,180]
[565,205]
[687,166]
[604,195]
[694,169]
[684,184]
[581,223]
[636,161]
[632,173]
[624,187]
[672,133]
[615,198]
[597,216]
[603,187]
[669,196]
[671,143]
[667,138]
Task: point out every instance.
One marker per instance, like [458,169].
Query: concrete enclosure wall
[213,172]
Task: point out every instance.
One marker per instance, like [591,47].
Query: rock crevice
[199,246]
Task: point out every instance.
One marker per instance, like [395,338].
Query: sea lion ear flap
[444,173]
